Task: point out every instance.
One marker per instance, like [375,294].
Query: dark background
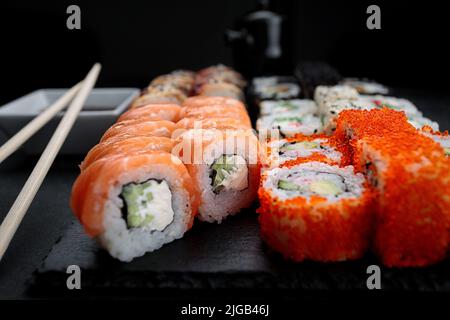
[136,40]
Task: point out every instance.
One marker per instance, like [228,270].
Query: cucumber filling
[324,184]
[148,205]
[229,172]
[297,146]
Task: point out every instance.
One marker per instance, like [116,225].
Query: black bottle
[260,42]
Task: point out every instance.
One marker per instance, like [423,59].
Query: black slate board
[231,256]
[227,256]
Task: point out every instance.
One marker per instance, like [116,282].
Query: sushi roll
[259,82]
[221,89]
[152,112]
[412,179]
[136,144]
[159,94]
[397,104]
[289,125]
[128,128]
[364,86]
[442,138]
[300,106]
[277,91]
[419,122]
[330,110]
[217,111]
[181,79]
[209,123]
[202,101]
[325,94]
[315,211]
[291,151]
[220,73]
[135,204]
[230,77]
[224,164]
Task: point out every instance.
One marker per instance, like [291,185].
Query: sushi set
[334,172]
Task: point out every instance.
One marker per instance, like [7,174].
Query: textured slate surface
[228,256]
[45,222]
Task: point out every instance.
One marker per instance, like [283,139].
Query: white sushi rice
[260,82]
[126,243]
[330,110]
[215,207]
[365,86]
[442,140]
[300,106]
[278,90]
[308,175]
[282,150]
[397,104]
[289,124]
[332,100]
[326,94]
[419,121]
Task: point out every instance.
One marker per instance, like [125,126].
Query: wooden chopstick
[29,190]
[37,123]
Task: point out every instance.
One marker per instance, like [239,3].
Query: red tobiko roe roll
[301,148]
[316,211]
[412,179]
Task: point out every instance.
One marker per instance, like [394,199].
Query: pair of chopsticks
[79,94]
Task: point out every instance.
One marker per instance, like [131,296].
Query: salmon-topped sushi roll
[201,101]
[181,79]
[221,89]
[205,112]
[226,168]
[209,123]
[220,73]
[159,94]
[137,127]
[135,204]
[152,112]
[126,146]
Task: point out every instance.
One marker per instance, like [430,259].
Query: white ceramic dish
[101,110]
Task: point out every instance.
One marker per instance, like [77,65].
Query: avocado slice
[222,167]
[135,197]
[325,187]
[288,186]
[136,220]
[447,151]
[299,145]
